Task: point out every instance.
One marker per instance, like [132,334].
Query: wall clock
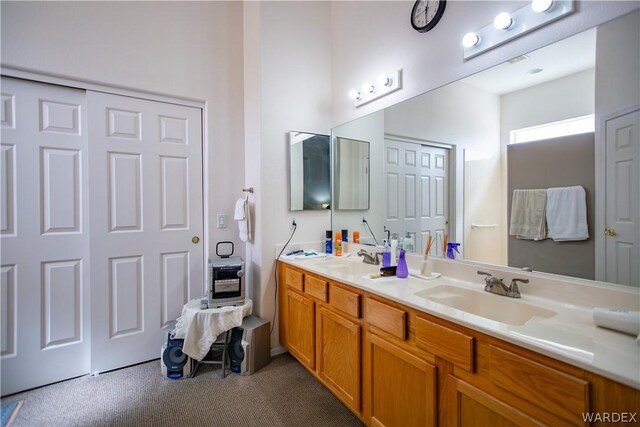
[426,14]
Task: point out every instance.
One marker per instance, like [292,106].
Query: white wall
[290,70]
[374,37]
[189,50]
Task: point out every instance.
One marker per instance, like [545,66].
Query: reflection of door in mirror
[622,204]
[309,171]
[416,185]
[351,174]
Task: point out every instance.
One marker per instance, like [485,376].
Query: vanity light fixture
[368,88]
[383,80]
[507,26]
[541,5]
[470,40]
[385,84]
[503,21]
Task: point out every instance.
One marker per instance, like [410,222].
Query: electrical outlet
[292,221]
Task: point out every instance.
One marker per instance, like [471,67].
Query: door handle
[195,239]
[610,232]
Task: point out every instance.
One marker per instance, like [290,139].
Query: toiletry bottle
[394,248]
[386,254]
[451,247]
[356,236]
[338,244]
[407,243]
[403,270]
[328,244]
[345,235]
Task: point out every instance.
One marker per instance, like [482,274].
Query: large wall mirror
[351,174]
[446,163]
[309,171]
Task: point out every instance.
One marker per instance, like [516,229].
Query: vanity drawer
[387,318]
[446,343]
[293,279]
[548,388]
[315,287]
[344,300]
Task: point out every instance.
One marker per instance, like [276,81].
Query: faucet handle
[513,287]
[486,274]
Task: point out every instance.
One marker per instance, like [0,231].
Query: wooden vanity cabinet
[393,365]
[320,325]
[300,323]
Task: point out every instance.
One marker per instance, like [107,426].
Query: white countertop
[570,336]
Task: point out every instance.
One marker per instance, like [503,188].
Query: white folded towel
[240,215]
[567,213]
[528,214]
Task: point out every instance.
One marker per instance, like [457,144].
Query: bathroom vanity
[418,352]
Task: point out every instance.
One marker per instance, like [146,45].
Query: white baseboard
[278,350]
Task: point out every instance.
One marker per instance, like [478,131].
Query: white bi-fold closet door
[101,201]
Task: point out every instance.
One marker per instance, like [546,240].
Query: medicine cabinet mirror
[447,155]
[309,171]
[351,174]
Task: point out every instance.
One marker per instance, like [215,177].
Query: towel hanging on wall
[240,215]
[567,213]
[528,214]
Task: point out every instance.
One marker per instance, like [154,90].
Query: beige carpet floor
[282,393]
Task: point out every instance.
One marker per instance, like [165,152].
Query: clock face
[426,14]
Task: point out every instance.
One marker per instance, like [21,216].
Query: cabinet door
[476,407]
[401,386]
[301,328]
[339,357]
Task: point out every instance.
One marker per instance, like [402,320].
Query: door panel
[44,234]
[146,173]
[623,199]
[417,192]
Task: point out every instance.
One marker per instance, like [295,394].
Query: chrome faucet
[368,258]
[496,286]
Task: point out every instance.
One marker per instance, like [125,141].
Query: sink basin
[348,267]
[501,309]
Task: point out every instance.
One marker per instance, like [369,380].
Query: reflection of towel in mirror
[242,216]
[567,213]
[528,214]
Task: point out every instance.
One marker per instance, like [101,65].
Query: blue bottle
[451,247]
[402,271]
[328,245]
[386,255]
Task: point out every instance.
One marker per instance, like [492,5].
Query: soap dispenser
[386,254]
[407,243]
[402,271]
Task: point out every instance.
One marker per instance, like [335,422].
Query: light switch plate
[222,221]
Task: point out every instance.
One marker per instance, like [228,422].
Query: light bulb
[541,5]
[503,21]
[368,87]
[354,94]
[383,80]
[470,40]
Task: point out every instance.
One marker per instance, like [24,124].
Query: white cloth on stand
[200,328]
[242,216]
[528,214]
[567,213]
